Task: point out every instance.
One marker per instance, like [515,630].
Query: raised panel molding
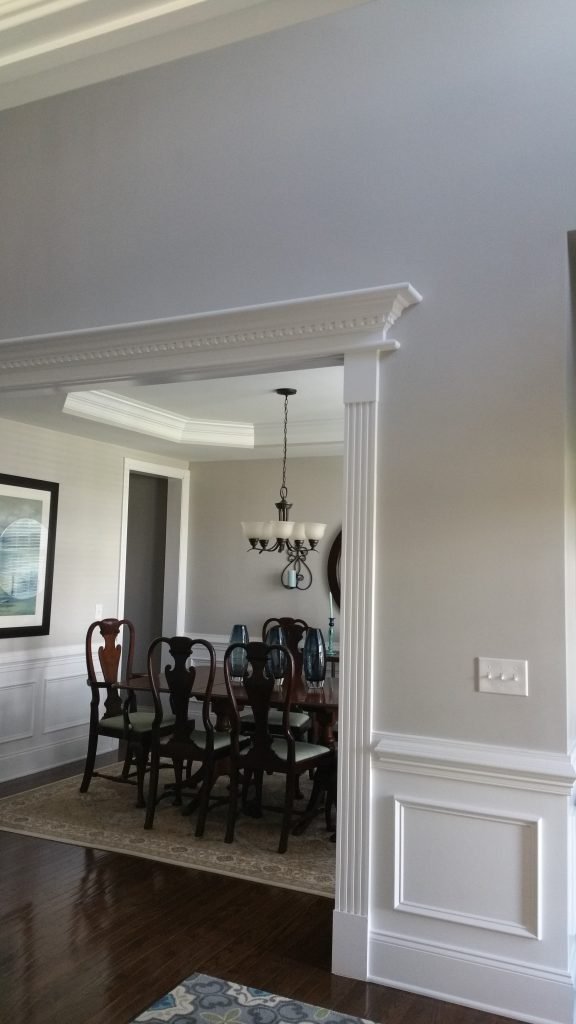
[17,715]
[500,868]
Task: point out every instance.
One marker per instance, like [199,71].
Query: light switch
[502,675]
[99,611]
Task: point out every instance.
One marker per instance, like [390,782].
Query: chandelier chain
[283,488]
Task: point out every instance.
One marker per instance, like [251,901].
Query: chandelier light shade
[294,540]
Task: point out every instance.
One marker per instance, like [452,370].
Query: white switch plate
[99,611]
[502,675]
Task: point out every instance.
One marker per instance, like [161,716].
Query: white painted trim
[350,944]
[531,825]
[172,473]
[129,414]
[513,767]
[357,649]
[95,41]
[513,988]
[319,330]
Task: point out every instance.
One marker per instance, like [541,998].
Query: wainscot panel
[465,904]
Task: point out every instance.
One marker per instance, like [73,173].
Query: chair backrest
[181,678]
[259,686]
[295,632]
[116,635]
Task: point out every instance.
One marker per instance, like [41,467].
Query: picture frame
[28,512]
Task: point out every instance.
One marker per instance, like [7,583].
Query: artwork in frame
[28,510]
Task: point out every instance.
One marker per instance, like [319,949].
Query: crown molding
[318,330]
[51,46]
[128,414]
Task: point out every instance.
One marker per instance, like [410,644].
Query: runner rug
[106,818]
[205,1000]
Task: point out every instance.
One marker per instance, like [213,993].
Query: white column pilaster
[361,392]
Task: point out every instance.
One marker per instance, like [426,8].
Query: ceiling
[152,417]
[52,46]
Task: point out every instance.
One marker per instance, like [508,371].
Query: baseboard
[19,763]
[350,945]
[522,991]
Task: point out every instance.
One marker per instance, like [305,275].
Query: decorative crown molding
[315,329]
[51,46]
[128,414]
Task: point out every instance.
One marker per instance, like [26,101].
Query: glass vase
[238,658]
[314,659]
[276,660]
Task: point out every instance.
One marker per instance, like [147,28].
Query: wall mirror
[334,568]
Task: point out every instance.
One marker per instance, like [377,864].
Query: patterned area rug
[106,818]
[204,1000]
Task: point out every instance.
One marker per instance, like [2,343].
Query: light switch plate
[502,675]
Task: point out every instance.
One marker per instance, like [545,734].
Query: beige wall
[86,565]
[228,584]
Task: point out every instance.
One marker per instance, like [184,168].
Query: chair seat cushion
[296,719]
[303,751]
[140,722]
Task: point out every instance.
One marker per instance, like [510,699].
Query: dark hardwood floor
[88,937]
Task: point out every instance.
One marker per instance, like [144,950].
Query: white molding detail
[129,414]
[171,473]
[303,332]
[527,992]
[51,46]
[530,829]
[512,767]
[350,944]
[357,646]
[28,729]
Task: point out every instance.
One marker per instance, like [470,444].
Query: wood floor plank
[88,937]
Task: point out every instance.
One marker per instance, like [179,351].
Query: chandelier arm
[303,574]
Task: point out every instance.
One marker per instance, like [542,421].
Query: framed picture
[28,511]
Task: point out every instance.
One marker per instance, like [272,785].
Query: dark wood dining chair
[187,741]
[295,631]
[118,717]
[267,753]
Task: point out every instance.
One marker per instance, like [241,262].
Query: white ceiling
[51,46]
[315,414]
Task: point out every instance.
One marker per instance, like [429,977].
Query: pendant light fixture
[294,540]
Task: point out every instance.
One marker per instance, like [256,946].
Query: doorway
[153,551]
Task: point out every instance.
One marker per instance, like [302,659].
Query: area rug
[106,818]
[205,1000]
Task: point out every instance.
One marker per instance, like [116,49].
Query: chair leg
[90,761]
[141,754]
[287,816]
[152,788]
[232,805]
[128,759]
[205,791]
[178,770]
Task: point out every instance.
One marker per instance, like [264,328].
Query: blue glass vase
[238,658]
[276,660]
[314,658]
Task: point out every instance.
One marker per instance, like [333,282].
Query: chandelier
[294,540]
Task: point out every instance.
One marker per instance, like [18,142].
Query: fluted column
[361,387]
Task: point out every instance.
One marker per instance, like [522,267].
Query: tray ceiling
[51,46]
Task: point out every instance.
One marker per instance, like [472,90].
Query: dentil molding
[317,331]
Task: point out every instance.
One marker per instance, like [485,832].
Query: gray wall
[227,583]
[399,141]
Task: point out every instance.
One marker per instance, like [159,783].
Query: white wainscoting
[44,710]
[464,897]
